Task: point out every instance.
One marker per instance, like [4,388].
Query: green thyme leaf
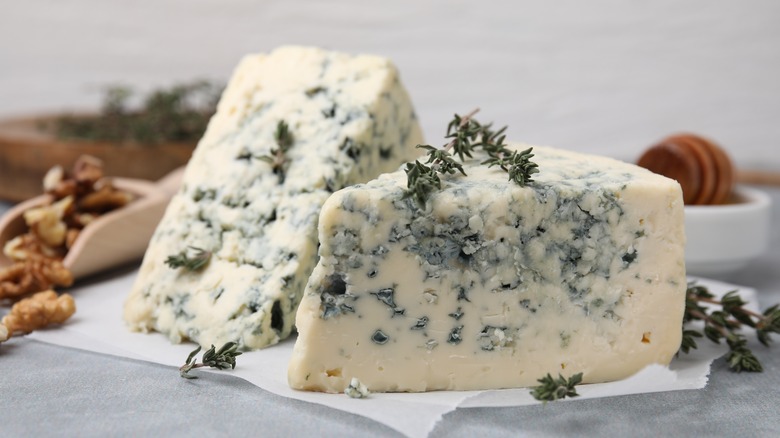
[551,389]
[493,142]
[464,132]
[688,343]
[518,165]
[770,323]
[193,354]
[421,181]
[278,158]
[283,136]
[739,357]
[189,364]
[440,157]
[191,262]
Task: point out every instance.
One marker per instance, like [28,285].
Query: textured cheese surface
[495,285]
[350,119]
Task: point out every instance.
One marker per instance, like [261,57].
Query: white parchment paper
[97,326]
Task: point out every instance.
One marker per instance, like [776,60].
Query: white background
[601,76]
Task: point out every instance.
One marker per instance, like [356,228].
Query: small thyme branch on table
[551,389]
[278,159]
[222,359]
[466,135]
[725,323]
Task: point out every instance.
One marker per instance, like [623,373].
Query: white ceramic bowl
[722,239]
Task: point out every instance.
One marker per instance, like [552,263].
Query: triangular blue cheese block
[350,120]
[493,285]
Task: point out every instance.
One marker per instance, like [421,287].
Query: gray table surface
[47,390]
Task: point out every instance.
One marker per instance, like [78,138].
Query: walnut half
[39,311]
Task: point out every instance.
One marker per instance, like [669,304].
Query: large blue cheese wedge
[350,120]
[494,285]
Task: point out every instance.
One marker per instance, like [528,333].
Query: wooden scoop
[113,239]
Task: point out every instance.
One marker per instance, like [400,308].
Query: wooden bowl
[27,153]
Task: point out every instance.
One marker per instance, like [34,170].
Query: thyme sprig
[278,159]
[466,135]
[176,114]
[194,262]
[518,165]
[551,388]
[222,359]
[421,180]
[725,323]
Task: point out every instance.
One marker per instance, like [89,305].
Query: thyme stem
[466,119]
[222,359]
[709,320]
[738,309]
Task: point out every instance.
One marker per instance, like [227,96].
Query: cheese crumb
[356,389]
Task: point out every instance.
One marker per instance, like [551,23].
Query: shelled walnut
[38,311]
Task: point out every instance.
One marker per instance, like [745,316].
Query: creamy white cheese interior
[494,285]
[350,119]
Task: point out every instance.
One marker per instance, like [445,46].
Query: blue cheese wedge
[350,120]
[494,285]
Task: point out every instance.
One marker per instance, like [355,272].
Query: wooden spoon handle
[702,168]
[759,177]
